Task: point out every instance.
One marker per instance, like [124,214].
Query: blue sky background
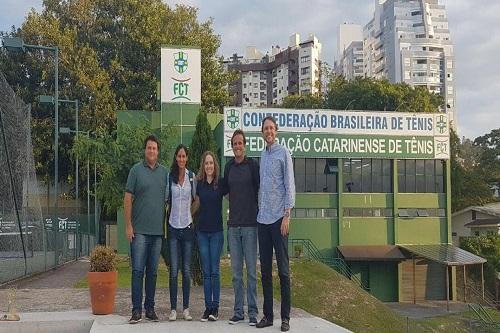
[473,24]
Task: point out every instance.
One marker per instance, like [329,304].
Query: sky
[474,28]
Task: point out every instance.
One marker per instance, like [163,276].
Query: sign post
[180,86]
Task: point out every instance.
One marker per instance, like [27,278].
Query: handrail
[487,293]
[483,315]
[338,264]
[487,301]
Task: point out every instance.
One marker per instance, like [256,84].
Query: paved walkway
[85,322]
[48,301]
[62,277]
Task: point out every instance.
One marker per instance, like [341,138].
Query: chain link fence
[32,238]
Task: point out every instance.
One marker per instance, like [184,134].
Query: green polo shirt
[147,187]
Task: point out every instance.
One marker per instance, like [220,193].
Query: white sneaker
[172,316]
[186,315]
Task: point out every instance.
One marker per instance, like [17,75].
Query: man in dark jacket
[241,178]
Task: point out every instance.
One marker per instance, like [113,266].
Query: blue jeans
[243,246]
[144,254]
[210,244]
[180,243]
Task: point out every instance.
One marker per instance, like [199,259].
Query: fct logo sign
[233,118]
[441,124]
[180,75]
[181,62]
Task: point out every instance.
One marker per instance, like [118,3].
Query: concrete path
[47,303]
[85,322]
[62,277]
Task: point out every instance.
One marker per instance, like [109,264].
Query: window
[367,175]
[314,213]
[368,212]
[305,70]
[420,176]
[422,212]
[415,13]
[315,175]
[305,59]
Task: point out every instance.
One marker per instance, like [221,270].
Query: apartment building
[349,59]
[408,41]
[266,79]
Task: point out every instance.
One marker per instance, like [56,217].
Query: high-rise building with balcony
[349,60]
[409,41]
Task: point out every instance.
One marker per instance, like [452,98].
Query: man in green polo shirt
[144,213]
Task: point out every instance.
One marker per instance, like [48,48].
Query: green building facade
[369,204]
[372,188]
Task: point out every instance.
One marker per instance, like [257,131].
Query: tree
[203,140]
[109,59]
[307,101]
[115,153]
[489,159]
[487,247]
[468,176]
[379,95]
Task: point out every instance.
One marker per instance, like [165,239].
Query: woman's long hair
[202,175]
[174,168]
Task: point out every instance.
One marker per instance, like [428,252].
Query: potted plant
[102,279]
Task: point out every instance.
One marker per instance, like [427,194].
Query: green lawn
[323,292]
[125,273]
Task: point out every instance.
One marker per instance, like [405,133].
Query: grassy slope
[323,292]
[326,294]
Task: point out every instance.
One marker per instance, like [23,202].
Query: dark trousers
[270,237]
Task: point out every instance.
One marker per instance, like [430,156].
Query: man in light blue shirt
[276,199]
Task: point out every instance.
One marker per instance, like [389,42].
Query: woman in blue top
[181,190]
[209,231]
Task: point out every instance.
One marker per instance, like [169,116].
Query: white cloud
[475,33]
[13,12]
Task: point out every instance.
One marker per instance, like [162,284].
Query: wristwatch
[287,213]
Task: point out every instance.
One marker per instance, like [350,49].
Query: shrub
[103,259]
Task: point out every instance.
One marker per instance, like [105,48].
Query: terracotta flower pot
[102,287]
